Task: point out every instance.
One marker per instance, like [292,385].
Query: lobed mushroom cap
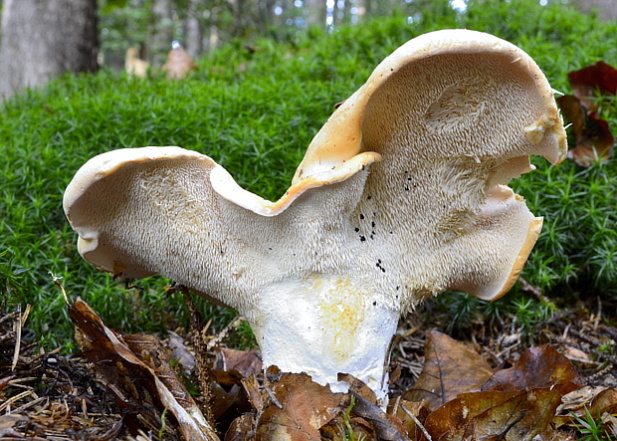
[455,115]
[437,56]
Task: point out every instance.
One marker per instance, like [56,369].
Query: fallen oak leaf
[108,351]
[494,415]
[519,418]
[301,407]
[154,355]
[451,368]
[539,367]
[450,420]
[605,401]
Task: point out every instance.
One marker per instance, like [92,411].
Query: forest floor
[492,387]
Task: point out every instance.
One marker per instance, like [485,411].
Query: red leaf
[585,82]
[593,137]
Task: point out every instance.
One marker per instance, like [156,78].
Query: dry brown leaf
[494,415]
[340,430]
[253,392]
[600,405]
[578,398]
[226,404]
[305,407]
[554,435]
[592,135]
[538,367]
[242,429]
[519,418]
[131,379]
[358,387]
[604,402]
[387,427]
[451,368]
[226,378]
[246,363]
[154,355]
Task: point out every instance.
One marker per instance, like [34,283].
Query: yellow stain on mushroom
[535,132]
[341,311]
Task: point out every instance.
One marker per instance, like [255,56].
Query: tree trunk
[194,37]
[606,9]
[162,32]
[42,39]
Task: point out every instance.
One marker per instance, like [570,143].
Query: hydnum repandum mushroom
[401,195]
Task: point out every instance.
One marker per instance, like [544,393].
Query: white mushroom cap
[400,196]
[454,114]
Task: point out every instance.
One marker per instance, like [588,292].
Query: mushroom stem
[343,328]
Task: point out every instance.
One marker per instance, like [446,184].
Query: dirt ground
[45,395]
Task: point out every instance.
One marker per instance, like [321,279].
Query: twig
[19,323]
[418,423]
[15,398]
[10,316]
[607,368]
[29,405]
[396,404]
[528,287]
[201,365]
[223,334]
[56,280]
[273,397]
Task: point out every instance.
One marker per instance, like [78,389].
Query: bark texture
[162,35]
[606,9]
[194,37]
[42,39]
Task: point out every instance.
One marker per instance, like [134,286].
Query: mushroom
[401,195]
[178,63]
